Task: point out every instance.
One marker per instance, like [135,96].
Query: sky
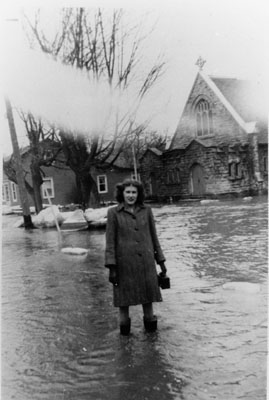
[232,36]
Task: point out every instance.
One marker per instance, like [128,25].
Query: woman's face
[130,194]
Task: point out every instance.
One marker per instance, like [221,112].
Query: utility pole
[135,165]
[18,167]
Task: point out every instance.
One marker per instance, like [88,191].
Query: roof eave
[251,127]
[248,127]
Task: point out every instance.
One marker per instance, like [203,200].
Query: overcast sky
[231,35]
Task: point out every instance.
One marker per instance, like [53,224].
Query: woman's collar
[121,206]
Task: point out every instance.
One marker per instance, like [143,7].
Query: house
[220,146]
[10,194]
[107,176]
[59,181]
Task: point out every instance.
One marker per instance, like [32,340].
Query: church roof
[121,161]
[153,150]
[249,99]
[184,141]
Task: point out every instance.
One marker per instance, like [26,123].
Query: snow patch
[209,201]
[93,215]
[78,251]
[97,217]
[74,220]
[46,218]
[6,210]
[246,287]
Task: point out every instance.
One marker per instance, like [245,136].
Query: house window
[102,183]
[47,188]
[14,191]
[203,119]
[5,193]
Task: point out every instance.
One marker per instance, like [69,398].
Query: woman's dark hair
[129,182]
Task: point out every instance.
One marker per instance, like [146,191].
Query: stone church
[219,147]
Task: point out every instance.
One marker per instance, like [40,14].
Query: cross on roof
[200,62]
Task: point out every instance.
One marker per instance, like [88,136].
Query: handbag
[163,281]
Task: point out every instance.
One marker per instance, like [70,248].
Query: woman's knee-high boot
[151,324]
[125,327]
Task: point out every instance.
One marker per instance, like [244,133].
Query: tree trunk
[79,189]
[94,195]
[18,168]
[37,182]
[88,190]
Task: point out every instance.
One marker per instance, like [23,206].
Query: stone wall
[173,171]
[263,161]
[215,165]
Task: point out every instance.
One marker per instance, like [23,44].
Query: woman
[132,247]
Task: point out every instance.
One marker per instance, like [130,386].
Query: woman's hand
[113,275]
[163,268]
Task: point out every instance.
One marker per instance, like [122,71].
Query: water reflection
[223,240]
[60,336]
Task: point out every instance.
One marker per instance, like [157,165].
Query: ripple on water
[60,335]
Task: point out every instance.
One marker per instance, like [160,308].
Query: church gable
[208,114]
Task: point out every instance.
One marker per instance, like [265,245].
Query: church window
[173,176]
[235,170]
[265,164]
[204,125]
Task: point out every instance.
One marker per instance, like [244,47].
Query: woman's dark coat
[133,246]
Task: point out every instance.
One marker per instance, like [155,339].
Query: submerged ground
[60,336]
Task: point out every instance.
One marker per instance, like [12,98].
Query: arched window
[203,119]
[173,176]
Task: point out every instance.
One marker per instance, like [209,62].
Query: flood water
[60,335]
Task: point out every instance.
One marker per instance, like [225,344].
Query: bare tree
[142,138]
[9,168]
[44,147]
[99,44]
